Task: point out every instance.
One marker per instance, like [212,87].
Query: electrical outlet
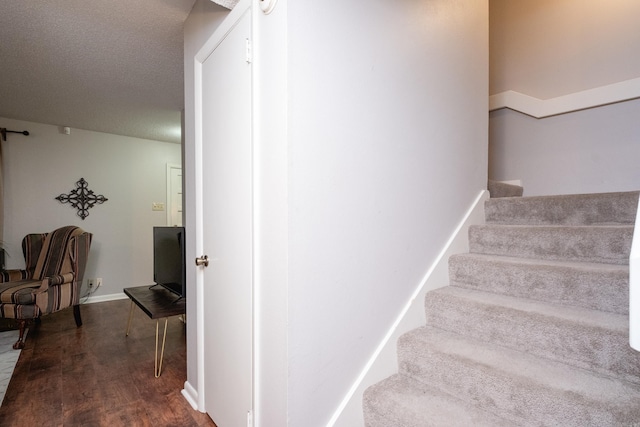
[98,282]
[90,282]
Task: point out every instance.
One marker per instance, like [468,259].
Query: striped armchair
[52,278]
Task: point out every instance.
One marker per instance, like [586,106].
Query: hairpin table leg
[130,318]
[158,365]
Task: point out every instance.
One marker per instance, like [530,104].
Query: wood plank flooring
[95,376]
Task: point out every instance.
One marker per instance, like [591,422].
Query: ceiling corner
[229,4]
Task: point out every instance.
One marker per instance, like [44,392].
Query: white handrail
[540,108]
[634,286]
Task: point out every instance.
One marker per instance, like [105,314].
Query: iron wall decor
[82,198]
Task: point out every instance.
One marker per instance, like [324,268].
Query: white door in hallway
[174,195]
[226,219]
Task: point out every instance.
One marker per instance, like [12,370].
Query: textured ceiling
[110,66]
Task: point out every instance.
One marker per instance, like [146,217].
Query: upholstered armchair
[52,278]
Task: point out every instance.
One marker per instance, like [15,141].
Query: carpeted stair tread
[595,286]
[577,209]
[605,244]
[402,401]
[533,327]
[515,385]
[588,339]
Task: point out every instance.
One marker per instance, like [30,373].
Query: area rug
[8,359]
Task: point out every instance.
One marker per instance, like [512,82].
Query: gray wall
[589,151]
[548,48]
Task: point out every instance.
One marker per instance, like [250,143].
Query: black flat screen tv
[169,259]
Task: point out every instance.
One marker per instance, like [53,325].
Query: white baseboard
[103,298]
[191,395]
[383,362]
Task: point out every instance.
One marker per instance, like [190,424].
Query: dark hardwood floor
[95,376]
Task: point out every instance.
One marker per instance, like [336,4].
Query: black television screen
[169,259]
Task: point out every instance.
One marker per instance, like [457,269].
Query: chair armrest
[49,294]
[56,280]
[14,275]
[59,279]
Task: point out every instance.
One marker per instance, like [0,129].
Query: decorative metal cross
[82,198]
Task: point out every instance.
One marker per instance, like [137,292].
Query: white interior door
[227,229]
[174,195]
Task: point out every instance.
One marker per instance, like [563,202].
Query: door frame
[207,49]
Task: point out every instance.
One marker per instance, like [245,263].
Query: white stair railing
[634,286]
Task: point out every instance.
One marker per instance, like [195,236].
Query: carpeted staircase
[533,327]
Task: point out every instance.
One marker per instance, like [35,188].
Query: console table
[157,303]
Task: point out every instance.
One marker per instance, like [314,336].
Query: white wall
[547,49]
[388,149]
[370,146]
[130,172]
[272,219]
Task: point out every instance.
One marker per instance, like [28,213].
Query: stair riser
[598,348]
[586,209]
[587,287]
[503,189]
[516,398]
[585,244]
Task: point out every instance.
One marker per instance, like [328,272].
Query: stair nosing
[554,226]
[573,264]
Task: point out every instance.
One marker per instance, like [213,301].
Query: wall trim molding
[540,108]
